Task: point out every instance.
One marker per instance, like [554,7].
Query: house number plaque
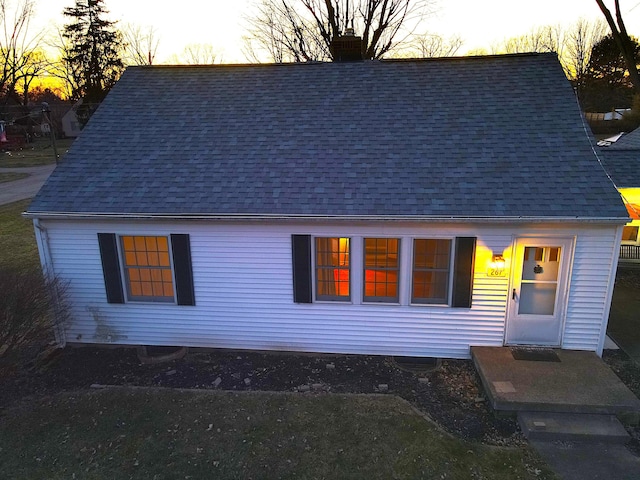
[496,272]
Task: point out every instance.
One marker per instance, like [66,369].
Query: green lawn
[12,176]
[38,153]
[162,434]
[17,241]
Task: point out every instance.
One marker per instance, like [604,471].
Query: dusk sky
[220,22]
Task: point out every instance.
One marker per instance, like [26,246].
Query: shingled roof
[476,137]
[622,160]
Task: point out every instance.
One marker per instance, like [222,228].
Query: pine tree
[93,53]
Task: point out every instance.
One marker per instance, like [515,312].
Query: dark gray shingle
[622,160]
[485,137]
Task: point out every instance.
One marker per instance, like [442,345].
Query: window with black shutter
[147,268]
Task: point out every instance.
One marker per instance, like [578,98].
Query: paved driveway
[27,187]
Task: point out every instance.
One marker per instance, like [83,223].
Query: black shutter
[182,269]
[301,249]
[111,267]
[463,271]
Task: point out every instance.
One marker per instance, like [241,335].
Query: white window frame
[405,270]
[314,274]
[125,279]
[447,301]
[363,269]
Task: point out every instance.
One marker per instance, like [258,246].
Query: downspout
[46,261]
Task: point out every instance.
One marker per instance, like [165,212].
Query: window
[147,268]
[436,271]
[629,234]
[430,278]
[332,269]
[381,268]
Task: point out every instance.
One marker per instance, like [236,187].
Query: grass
[160,434]
[37,153]
[12,176]
[17,240]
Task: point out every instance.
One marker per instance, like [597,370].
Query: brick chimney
[346,47]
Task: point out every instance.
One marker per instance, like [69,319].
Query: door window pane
[537,298]
[541,263]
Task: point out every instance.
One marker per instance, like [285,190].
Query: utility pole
[46,111]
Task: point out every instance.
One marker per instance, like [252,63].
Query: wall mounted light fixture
[497,261]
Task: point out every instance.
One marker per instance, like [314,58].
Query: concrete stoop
[572,427]
[579,383]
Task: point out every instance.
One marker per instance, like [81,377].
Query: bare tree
[196,54]
[302,30]
[34,65]
[430,45]
[622,39]
[141,44]
[283,35]
[548,38]
[60,69]
[579,42]
[16,45]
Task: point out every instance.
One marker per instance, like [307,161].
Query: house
[621,159]
[401,207]
[615,114]
[70,123]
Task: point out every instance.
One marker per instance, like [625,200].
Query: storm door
[536,305]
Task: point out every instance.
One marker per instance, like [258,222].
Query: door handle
[513,294]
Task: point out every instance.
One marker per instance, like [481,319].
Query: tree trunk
[621,37]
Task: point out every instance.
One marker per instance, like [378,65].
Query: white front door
[536,305]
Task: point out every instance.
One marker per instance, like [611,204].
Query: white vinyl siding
[590,298]
[242,277]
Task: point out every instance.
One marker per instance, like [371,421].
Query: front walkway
[580,382]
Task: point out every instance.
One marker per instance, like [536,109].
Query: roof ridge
[459,58]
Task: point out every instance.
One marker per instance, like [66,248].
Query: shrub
[31,307]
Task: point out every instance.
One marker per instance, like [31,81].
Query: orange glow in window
[147,268]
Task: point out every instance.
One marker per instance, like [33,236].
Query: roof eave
[307,217]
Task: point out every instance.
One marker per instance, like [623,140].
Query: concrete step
[576,427]
[579,383]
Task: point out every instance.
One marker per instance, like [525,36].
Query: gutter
[304,217]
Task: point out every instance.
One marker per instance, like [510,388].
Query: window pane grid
[147,268]
[431,260]
[381,269]
[333,277]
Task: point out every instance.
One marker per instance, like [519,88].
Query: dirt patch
[628,277]
[451,394]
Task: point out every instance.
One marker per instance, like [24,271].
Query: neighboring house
[622,161]
[615,114]
[393,207]
[70,123]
